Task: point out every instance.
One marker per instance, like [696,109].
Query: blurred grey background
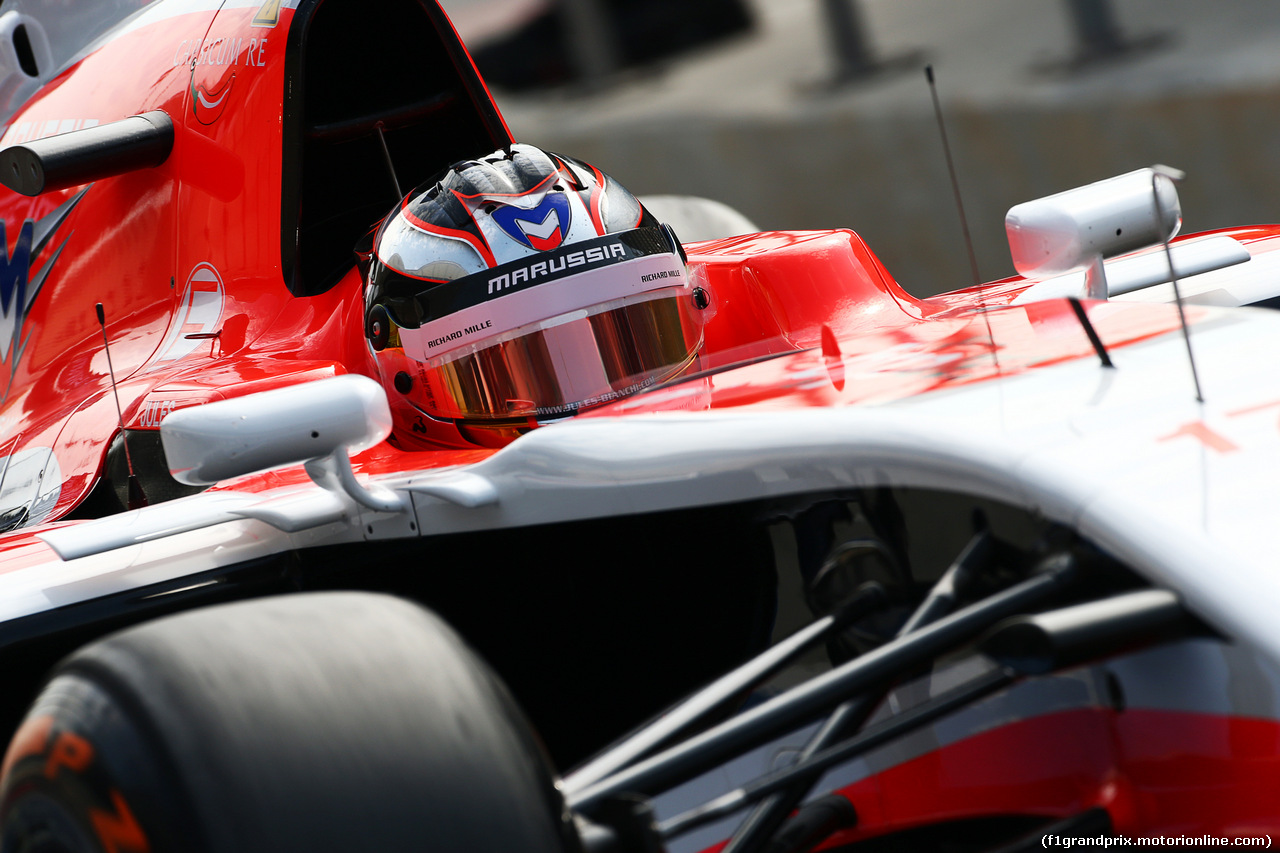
[816,113]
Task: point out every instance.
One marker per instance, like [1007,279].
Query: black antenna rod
[391,167]
[964,220]
[951,170]
[136,496]
[1175,176]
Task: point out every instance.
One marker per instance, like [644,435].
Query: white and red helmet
[520,288]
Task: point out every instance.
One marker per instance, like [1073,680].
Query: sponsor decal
[440,299]
[18,287]
[43,746]
[268,14]
[16,293]
[27,131]
[493,302]
[155,411]
[539,270]
[661,274]
[606,397]
[493,316]
[459,333]
[208,104]
[541,228]
[221,52]
[199,314]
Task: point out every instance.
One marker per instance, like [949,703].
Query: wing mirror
[316,423]
[1079,228]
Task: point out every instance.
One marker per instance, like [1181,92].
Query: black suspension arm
[1028,645]
[767,819]
[802,704]
[869,597]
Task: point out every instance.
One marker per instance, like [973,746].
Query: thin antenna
[951,170]
[1175,176]
[1083,317]
[964,220]
[136,496]
[391,167]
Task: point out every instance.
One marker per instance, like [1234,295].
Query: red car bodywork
[202,266]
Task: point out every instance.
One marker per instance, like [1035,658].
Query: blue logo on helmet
[540,228]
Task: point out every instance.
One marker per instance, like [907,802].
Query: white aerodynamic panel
[1182,491]
[1144,271]
[30,481]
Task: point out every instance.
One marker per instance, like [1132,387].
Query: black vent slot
[26,56]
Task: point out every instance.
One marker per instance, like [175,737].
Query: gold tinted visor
[574,361]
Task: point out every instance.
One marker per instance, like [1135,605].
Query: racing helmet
[519,288]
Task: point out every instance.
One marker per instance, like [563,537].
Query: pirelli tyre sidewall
[75,779]
[311,722]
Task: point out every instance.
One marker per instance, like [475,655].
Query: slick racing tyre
[323,722]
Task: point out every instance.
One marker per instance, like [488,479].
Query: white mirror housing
[1076,229]
[313,420]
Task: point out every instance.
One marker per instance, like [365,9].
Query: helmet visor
[576,360]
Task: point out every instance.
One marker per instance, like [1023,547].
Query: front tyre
[336,721]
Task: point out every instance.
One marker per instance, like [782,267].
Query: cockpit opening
[353,76]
